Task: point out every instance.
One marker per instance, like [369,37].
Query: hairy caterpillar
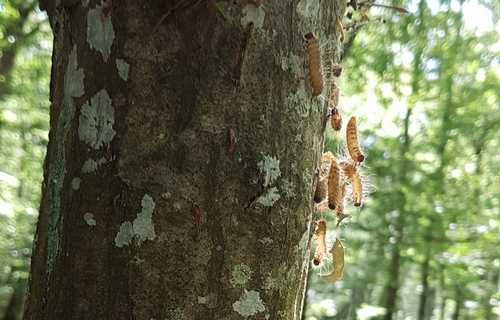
[334,187]
[327,158]
[341,204]
[314,64]
[240,56]
[334,95]
[341,30]
[320,193]
[352,141]
[355,179]
[336,120]
[320,242]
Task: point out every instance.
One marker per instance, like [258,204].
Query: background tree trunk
[142,107]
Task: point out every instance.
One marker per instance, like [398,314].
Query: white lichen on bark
[75,183]
[142,227]
[241,275]
[123,68]
[100,34]
[249,304]
[270,167]
[89,218]
[269,198]
[96,121]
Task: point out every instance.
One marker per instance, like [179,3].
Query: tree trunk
[174,188]
[425,285]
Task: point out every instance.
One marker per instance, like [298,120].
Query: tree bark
[170,191]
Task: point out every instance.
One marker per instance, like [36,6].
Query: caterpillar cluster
[340,178]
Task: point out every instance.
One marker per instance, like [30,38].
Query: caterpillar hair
[334,95]
[353,141]
[321,189]
[336,119]
[341,30]
[334,185]
[356,184]
[320,242]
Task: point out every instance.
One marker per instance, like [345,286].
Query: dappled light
[423,81]
[425,244]
[25,49]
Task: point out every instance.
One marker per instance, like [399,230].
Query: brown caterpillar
[352,141]
[240,56]
[334,95]
[355,179]
[320,242]
[336,120]
[341,30]
[230,141]
[197,222]
[334,187]
[314,64]
[341,204]
[327,158]
[321,189]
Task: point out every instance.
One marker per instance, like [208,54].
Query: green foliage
[25,48]
[431,83]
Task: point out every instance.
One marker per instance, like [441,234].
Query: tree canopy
[425,89]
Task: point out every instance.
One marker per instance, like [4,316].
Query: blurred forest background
[425,87]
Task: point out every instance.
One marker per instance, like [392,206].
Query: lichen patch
[96,121]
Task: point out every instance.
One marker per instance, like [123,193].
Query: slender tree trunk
[442,296]
[458,301]
[392,286]
[425,285]
[182,160]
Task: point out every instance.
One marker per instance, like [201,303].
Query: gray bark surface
[140,118]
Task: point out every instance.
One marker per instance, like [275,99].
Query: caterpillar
[320,242]
[321,189]
[355,179]
[230,141]
[334,95]
[341,204]
[334,187]
[352,141]
[341,30]
[327,158]
[336,120]
[314,64]
[240,56]
[195,210]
